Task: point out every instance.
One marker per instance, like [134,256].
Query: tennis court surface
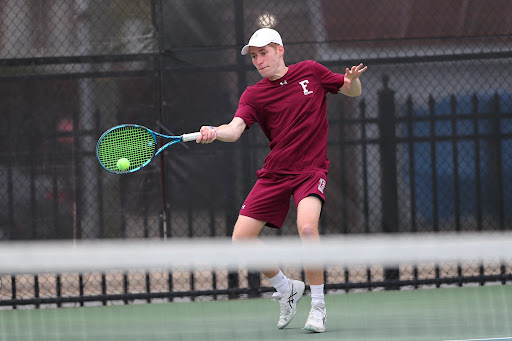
[459,313]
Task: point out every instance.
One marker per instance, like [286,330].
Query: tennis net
[448,287]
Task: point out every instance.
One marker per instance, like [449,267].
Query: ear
[280,50]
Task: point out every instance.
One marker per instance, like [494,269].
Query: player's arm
[352,85]
[226,133]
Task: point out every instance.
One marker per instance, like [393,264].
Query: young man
[289,104]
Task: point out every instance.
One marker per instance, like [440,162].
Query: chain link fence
[426,148]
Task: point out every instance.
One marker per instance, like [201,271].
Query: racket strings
[133,143]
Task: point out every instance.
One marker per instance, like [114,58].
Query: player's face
[267,60]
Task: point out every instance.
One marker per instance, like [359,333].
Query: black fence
[427,147]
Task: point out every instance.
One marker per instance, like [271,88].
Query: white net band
[219,253]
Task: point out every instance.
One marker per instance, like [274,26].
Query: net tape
[221,253]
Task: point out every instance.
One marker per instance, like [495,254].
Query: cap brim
[245,50]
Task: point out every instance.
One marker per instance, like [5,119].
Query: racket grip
[190,137]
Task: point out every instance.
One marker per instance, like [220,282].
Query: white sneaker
[316,318]
[288,302]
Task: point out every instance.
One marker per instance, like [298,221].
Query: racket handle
[190,137]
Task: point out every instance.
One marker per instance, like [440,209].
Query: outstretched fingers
[355,71]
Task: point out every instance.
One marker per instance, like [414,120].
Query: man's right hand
[208,135]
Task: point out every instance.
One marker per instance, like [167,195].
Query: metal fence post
[388,161]
[233,279]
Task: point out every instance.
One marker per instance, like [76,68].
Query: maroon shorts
[269,200]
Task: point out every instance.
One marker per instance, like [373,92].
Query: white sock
[281,282]
[317,294]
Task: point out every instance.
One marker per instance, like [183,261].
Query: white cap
[263,37]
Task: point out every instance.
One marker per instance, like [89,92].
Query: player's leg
[247,228]
[266,204]
[308,216]
[309,196]
[289,292]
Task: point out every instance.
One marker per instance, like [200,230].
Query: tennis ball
[123,164]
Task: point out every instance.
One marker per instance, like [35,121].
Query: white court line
[506,338]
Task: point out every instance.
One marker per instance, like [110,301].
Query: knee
[308,231]
[246,228]
[239,233]
[240,237]
[235,237]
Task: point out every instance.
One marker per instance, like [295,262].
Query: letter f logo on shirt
[304,85]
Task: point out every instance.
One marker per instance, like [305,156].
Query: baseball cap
[263,37]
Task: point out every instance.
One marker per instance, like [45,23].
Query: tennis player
[289,104]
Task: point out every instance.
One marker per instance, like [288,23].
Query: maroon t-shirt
[292,112]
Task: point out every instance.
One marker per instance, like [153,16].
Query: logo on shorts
[321,185]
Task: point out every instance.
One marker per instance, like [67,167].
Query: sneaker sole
[311,329]
[282,327]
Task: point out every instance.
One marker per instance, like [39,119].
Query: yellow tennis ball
[123,164]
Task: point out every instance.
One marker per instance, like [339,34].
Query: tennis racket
[135,143]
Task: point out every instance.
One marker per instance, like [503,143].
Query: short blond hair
[275,46]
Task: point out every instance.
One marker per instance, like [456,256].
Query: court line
[506,338]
